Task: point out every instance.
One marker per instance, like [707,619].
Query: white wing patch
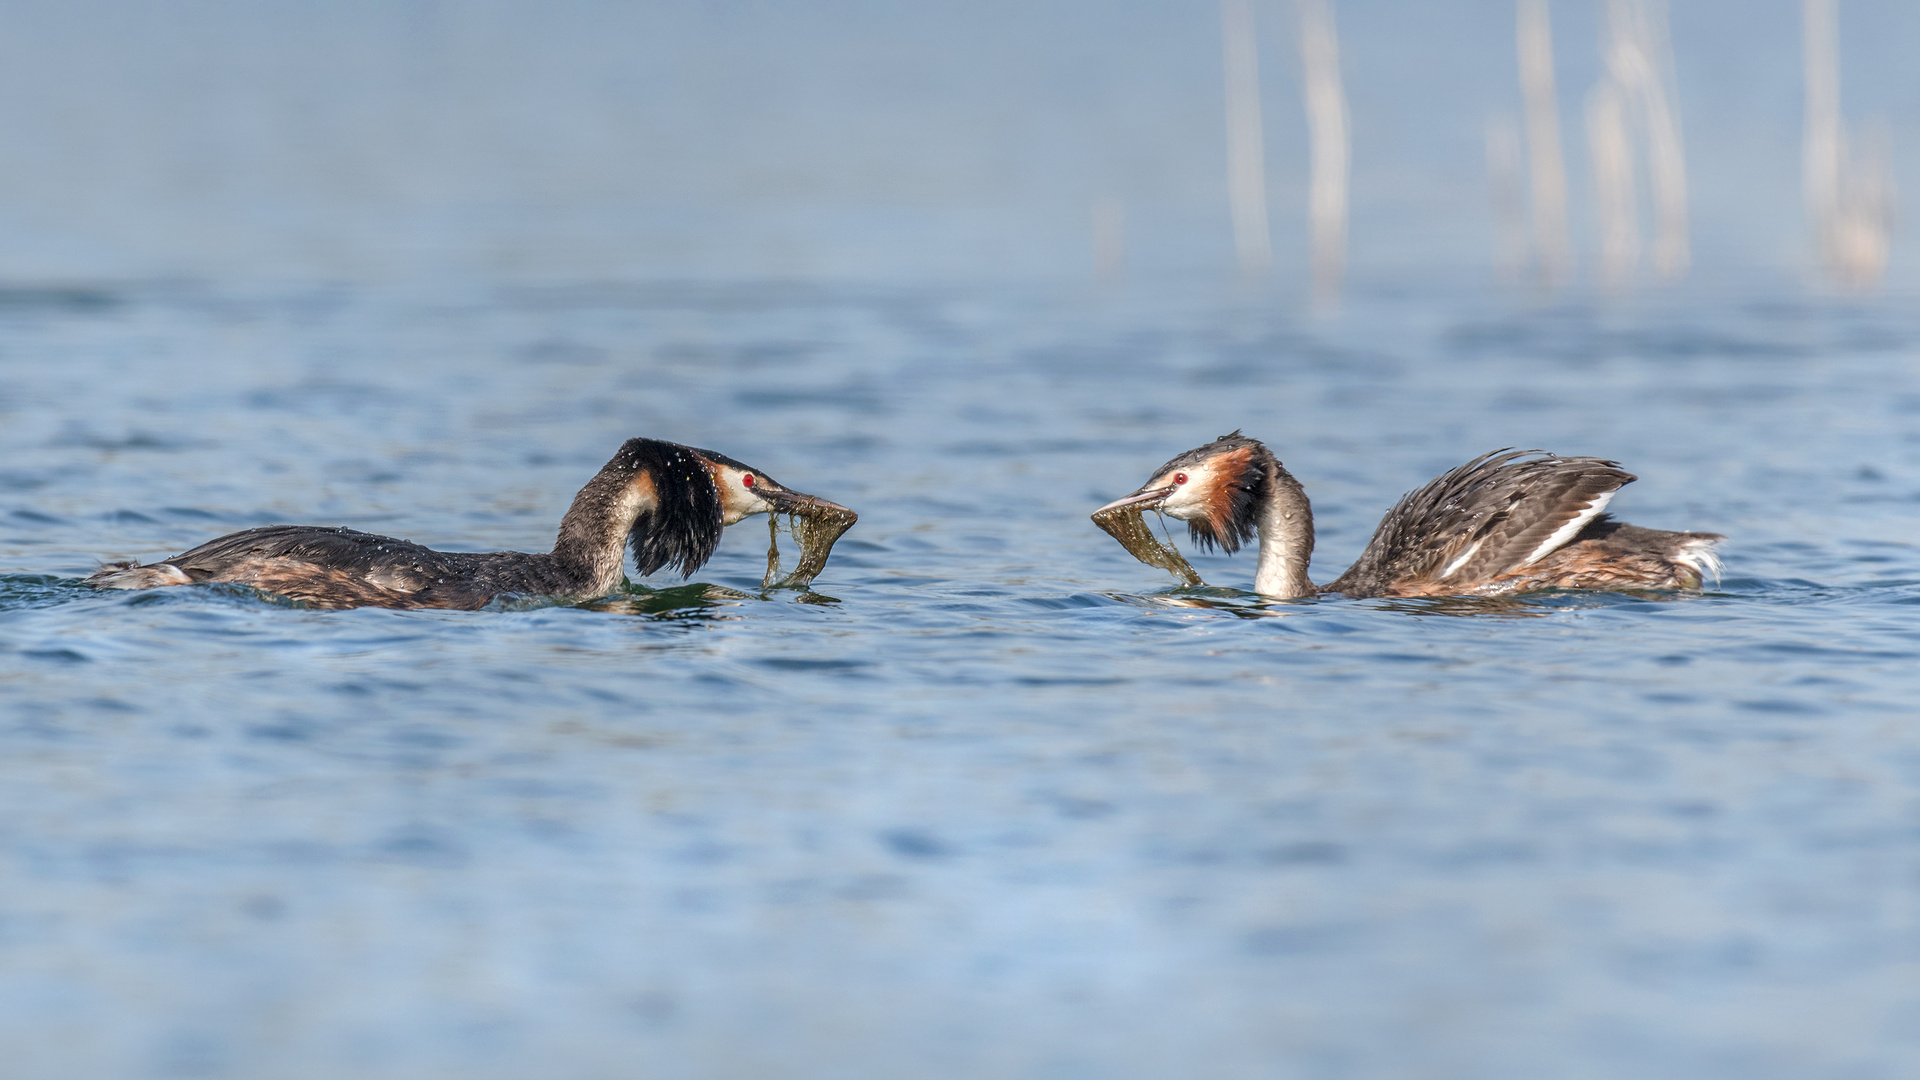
[1461,561]
[1568,531]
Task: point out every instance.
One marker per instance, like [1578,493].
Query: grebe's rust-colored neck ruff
[1508,521]
[665,502]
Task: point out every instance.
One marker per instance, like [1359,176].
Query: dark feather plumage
[339,567]
[345,549]
[685,528]
[1507,502]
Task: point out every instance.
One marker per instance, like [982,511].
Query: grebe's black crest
[683,528]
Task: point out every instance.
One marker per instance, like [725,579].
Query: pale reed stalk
[1246,155]
[1328,151]
[1552,245]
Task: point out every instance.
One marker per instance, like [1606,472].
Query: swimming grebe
[1505,522]
[666,501]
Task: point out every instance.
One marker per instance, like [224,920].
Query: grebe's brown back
[1507,521]
[665,502]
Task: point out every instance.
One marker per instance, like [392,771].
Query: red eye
[1179,478]
[747,480]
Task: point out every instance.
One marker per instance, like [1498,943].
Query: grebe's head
[681,498]
[1216,489]
[744,491]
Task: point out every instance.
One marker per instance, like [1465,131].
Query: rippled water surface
[995,800]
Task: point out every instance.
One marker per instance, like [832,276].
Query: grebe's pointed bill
[1146,498]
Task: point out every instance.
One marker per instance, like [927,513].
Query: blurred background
[875,141]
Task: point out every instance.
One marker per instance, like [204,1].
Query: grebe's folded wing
[1494,514]
[393,564]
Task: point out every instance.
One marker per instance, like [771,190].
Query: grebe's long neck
[593,535]
[1286,538]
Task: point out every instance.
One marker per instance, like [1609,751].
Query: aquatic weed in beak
[1128,525]
[815,527]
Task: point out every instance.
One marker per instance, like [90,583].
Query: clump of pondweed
[1128,525]
[814,529]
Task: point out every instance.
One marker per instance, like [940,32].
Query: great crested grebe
[1505,522]
[666,501]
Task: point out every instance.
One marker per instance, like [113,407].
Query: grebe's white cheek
[737,501]
[741,505]
[1185,503]
[1186,511]
[753,499]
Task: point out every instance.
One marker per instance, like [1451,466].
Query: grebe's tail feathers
[1699,552]
[132,575]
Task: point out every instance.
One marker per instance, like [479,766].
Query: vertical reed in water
[1644,23]
[1246,154]
[1849,197]
[1616,210]
[1552,246]
[1328,153]
[1634,103]
[1509,195]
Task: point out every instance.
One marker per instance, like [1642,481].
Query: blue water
[995,800]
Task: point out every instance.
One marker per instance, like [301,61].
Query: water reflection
[1510,607]
[1245,605]
[1531,605]
[695,601]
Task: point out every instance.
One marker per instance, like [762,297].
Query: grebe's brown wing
[382,560]
[1498,512]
